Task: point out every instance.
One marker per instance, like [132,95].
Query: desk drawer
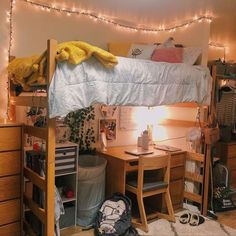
[231,151]
[10,229]
[10,187]
[177,160]
[176,191]
[10,138]
[231,163]
[10,211]
[177,173]
[131,166]
[233,178]
[10,163]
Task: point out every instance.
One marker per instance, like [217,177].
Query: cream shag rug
[163,227]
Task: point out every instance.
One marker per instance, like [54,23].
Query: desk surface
[119,152]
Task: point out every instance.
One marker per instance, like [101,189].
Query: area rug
[163,227]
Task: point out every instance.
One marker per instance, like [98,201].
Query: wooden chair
[142,188]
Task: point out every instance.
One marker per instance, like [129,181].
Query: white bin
[91,188]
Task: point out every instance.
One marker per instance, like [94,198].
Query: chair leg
[144,225]
[169,206]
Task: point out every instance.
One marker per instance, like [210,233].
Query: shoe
[196,220]
[185,218]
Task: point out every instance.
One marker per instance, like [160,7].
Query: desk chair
[142,188]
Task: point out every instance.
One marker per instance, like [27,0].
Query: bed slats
[35,178]
[36,131]
[34,207]
[30,101]
[28,230]
[193,197]
[195,178]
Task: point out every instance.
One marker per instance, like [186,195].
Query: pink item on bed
[171,55]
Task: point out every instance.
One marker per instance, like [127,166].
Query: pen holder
[145,141]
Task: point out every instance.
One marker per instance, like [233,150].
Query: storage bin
[91,188]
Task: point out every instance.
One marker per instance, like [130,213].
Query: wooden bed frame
[47,183]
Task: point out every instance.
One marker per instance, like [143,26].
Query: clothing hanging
[226,108]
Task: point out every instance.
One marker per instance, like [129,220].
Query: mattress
[133,82]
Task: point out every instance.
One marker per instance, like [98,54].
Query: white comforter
[132,82]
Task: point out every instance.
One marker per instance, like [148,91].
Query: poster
[109,127]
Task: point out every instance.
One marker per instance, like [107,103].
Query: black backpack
[114,217]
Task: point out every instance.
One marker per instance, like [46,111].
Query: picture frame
[109,126]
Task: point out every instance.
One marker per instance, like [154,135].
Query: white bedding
[132,82]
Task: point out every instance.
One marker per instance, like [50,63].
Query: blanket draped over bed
[31,70]
[132,82]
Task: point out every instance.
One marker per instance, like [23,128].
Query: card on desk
[138,152]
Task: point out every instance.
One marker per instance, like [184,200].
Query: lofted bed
[71,87]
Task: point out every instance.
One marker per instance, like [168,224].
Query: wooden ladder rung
[35,178]
[27,229]
[38,211]
[195,157]
[30,101]
[36,131]
[193,177]
[193,197]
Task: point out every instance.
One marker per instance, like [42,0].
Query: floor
[76,231]
[226,218]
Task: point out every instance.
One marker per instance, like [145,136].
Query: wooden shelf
[65,199]
[225,77]
[66,173]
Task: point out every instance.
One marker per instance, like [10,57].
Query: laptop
[167,148]
[138,152]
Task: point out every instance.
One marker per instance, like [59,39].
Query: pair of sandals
[193,219]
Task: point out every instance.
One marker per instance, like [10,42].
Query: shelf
[65,199]
[66,173]
[225,77]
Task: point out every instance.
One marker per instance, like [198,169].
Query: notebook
[138,152]
[167,148]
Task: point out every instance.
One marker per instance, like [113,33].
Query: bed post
[207,163]
[50,145]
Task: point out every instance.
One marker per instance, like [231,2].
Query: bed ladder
[195,178]
[46,214]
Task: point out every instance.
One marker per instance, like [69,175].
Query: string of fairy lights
[53,7]
[9,19]
[109,20]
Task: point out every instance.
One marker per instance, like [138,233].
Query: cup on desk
[139,141]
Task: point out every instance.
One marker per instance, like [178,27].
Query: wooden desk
[120,163]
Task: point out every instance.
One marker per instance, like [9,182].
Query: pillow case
[141,51]
[171,55]
[191,54]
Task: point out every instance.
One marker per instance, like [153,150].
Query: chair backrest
[153,163]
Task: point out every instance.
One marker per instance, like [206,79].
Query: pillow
[171,55]
[191,54]
[141,51]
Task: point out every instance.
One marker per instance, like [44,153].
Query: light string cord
[98,17]
[9,19]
